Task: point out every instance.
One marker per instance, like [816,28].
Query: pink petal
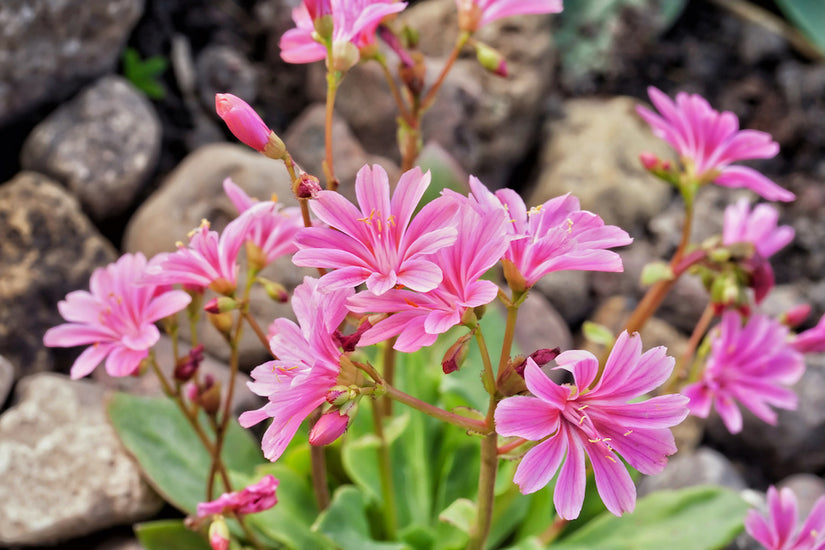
[743,176]
[123,361]
[166,304]
[570,486]
[542,387]
[584,367]
[526,417]
[89,360]
[540,464]
[613,482]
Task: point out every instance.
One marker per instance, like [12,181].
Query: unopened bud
[221,304]
[307,186]
[491,59]
[210,398]
[187,365]
[510,379]
[330,426]
[276,291]
[219,534]
[414,76]
[796,315]
[348,342]
[456,355]
[243,121]
[339,395]
[345,55]
[543,356]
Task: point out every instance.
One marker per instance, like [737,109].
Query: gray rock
[102,145]
[120,544]
[808,488]
[6,379]
[540,326]
[797,442]
[569,293]
[65,472]
[221,69]
[703,466]
[48,248]
[305,141]
[51,47]
[192,192]
[593,153]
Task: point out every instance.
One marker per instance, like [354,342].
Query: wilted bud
[345,55]
[221,304]
[210,398]
[414,76]
[330,426]
[307,186]
[187,365]
[246,125]
[348,342]
[543,356]
[456,355]
[221,321]
[491,59]
[219,534]
[510,379]
[796,315]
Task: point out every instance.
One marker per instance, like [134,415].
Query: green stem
[329,170]
[385,471]
[679,373]
[389,372]
[464,422]
[509,334]
[318,464]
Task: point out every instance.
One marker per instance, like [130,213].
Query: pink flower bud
[544,356]
[308,187]
[491,59]
[243,121]
[219,534]
[188,365]
[796,315]
[329,427]
[649,161]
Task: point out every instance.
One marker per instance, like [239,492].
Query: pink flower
[378,244]
[418,318]
[759,228]
[254,498]
[753,364]
[553,236]
[778,531]
[599,421]
[811,340]
[210,260]
[272,229]
[306,369]
[353,21]
[116,316]
[243,121]
[473,14]
[709,141]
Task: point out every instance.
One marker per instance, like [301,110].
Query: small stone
[65,471]
[758,44]
[48,248]
[703,466]
[50,48]
[569,293]
[6,379]
[593,153]
[221,69]
[102,145]
[540,326]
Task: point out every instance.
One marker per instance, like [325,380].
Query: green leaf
[808,16]
[166,534]
[165,445]
[345,523]
[461,513]
[598,334]
[696,518]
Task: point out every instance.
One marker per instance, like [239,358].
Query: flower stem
[256,328]
[426,103]
[464,422]
[403,111]
[319,469]
[389,373]
[657,293]
[680,372]
[385,472]
[509,334]
[504,449]
[329,170]
[553,530]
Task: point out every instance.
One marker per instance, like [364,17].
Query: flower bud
[330,426]
[414,76]
[187,365]
[210,398]
[244,123]
[307,186]
[491,59]
[339,395]
[221,304]
[510,379]
[348,342]
[456,355]
[219,534]
[796,315]
[543,356]
[276,291]
[222,322]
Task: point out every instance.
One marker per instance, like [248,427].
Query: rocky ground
[93,167]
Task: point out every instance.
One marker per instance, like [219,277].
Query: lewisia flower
[553,236]
[210,260]
[271,230]
[249,500]
[116,316]
[601,419]
[709,141]
[380,244]
[306,369]
[778,531]
[353,23]
[759,228]
[418,318]
[753,364]
[473,14]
